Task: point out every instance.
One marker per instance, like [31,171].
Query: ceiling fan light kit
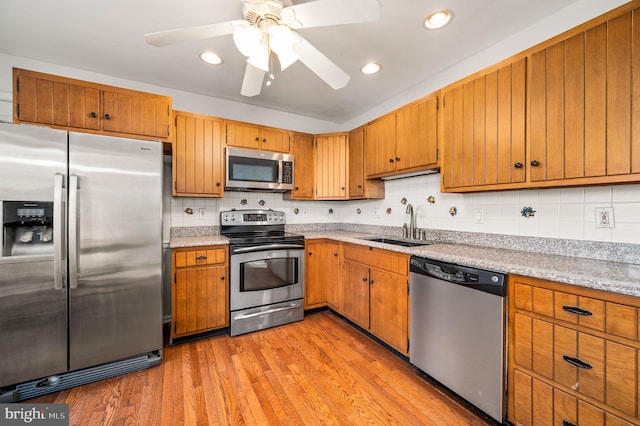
[266,27]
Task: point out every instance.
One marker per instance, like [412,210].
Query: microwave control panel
[287,172]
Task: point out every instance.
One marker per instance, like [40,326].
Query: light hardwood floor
[318,371]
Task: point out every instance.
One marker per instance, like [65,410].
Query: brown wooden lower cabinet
[200,291]
[322,267]
[574,356]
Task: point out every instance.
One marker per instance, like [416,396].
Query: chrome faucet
[412,222]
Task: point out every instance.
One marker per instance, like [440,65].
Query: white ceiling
[107,37]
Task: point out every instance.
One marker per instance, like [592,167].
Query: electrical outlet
[479,216]
[202,213]
[604,217]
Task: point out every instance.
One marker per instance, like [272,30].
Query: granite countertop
[197,241]
[616,277]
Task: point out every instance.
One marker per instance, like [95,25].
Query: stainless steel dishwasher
[458,328]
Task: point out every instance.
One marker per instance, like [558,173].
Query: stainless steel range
[266,271]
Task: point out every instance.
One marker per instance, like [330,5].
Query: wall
[567,213]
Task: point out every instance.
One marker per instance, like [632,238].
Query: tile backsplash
[567,213]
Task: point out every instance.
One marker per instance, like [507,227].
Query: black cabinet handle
[335,254]
[577,311]
[222,278]
[201,258]
[342,188]
[93,115]
[568,423]
[371,282]
[359,186]
[107,117]
[391,160]
[397,158]
[535,163]
[257,139]
[518,165]
[365,279]
[310,253]
[217,183]
[297,188]
[577,362]
[370,248]
[264,140]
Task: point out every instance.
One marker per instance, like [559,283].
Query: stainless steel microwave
[252,170]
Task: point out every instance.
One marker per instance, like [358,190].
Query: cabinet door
[582,114]
[45,100]
[136,113]
[317,272]
[356,293]
[389,309]
[335,281]
[356,163]
[331,166]
[275,140]
[243,135]
[380,146]
[416,136]
[304,167]
[197,156]
[200,300]
[484,129]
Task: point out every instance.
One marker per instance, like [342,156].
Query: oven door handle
[268,247]
[269,311]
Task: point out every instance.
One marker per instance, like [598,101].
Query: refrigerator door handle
[73,231]
[58,213]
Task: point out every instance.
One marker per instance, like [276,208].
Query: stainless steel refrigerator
[81,261]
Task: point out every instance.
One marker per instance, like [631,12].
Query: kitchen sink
[398,242]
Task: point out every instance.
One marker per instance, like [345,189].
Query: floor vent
[60,382]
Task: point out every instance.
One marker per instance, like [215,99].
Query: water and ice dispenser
[27,228]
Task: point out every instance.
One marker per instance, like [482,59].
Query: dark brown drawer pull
[568,423]
[577,311]
[201,258]
[577,362]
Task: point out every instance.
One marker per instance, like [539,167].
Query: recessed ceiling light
[438,19]
[370,68]
[211,58]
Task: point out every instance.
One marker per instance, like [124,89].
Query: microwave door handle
[268,247]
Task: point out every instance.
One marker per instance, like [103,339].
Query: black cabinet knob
[257,139]
[535,163]
[335,254]
[264,140]
[217,183]
[371,282]
[397,158]
[370,248]
[310,253]
[391,160]
[359,186]
[107,117]
[297,188]
[365,279]
[222,278]
[93,115]
[518,165]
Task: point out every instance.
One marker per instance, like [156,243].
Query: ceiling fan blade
[335,12]
[320,64]
[252,83]
[200,32]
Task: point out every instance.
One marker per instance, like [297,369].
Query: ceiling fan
[267,27]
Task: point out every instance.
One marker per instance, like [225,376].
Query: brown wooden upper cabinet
[584,114]
[251,136]
[484,129]
[404,140]
[359,185]
[83,106]
[331,166]
[198,167]
[304,167]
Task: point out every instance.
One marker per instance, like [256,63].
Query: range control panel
[251,217]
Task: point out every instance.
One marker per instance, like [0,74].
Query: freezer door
[33,293]
[115,248]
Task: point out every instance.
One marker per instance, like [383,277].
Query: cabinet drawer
[609,317]
[201,257]
[397,263]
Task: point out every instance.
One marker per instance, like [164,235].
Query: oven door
[266,277]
